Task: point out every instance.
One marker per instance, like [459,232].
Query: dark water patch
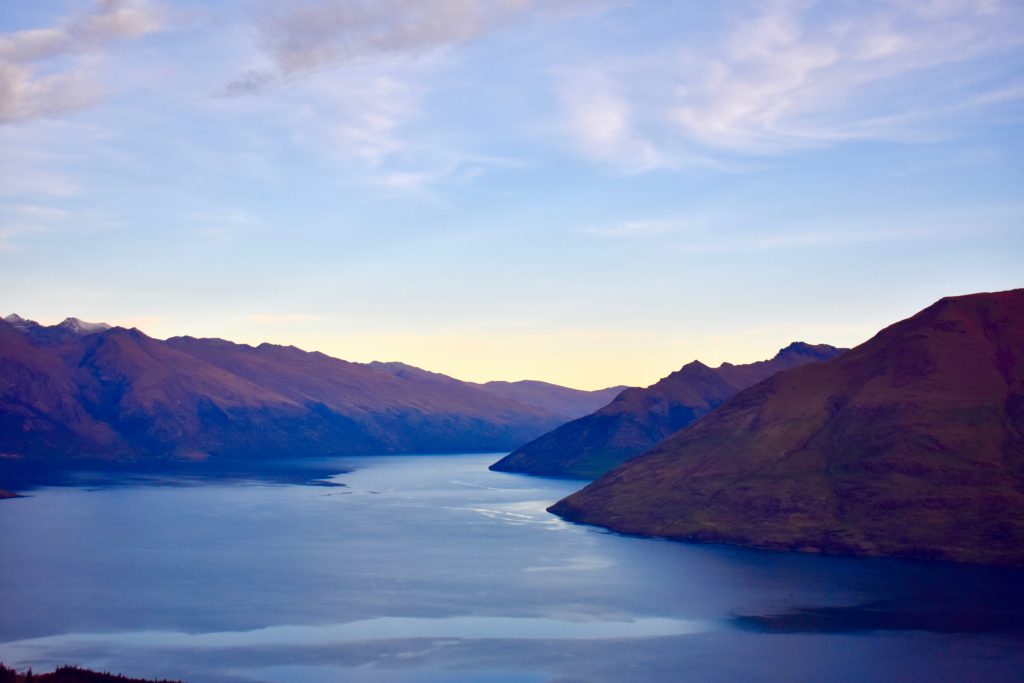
[935,597]
[18,476]
[885,615]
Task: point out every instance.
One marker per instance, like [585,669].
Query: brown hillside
[910,444]
[79,392]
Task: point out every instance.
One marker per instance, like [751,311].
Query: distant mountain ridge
[88,390]
[911,444]
[554,398]
[638,419]
[61,331]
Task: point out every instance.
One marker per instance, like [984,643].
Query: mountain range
[79,390]
[637,419]
[911,444]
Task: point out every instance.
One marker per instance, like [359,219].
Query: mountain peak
[797,347]
[692,366]
[800,348]
[80,327]
[19,323]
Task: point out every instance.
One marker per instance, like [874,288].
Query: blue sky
[590,193]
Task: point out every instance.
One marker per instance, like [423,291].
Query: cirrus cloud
[794,74]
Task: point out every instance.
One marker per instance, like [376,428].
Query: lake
[432,568]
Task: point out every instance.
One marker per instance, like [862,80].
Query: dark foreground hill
[69,674]
[79,391]
[911,444]
[639,418]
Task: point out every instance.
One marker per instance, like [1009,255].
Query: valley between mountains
[910,444]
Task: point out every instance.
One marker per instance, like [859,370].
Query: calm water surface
[432,568]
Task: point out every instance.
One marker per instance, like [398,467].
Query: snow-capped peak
[17,321]
[81,327]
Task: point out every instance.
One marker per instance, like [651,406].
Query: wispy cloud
[793,74]
[51,71]
[365,115]
[308,36]
[603,122]
[357,76]
[370,121]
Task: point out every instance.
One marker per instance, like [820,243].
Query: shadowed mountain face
[81,390]
[911,444]
[639,418]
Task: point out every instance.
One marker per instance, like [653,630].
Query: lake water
[433,569]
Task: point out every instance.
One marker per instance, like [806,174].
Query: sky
[590,193]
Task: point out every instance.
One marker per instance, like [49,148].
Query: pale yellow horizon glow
[583,359]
